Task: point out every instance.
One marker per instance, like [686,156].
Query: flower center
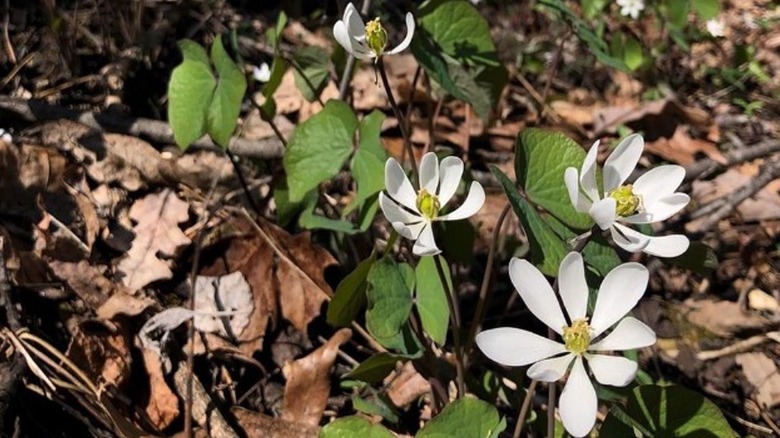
[428,204]
[376,36]
[628,202]
[577,336]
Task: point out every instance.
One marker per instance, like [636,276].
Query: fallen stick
[152,130]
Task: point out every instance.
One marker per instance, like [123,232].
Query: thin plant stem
[524,409]
[234,161]
[380,65]
[484,290]
[455,322]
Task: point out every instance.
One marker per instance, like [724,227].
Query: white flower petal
[514,347]
[550,370]
[450,172]
[667,246]
[618,294]
[612,370]
[429,173]
[578,404]
[628,239]
[425,244]
[394,212]
[473,202]
[537,294]
[342,37]
[661,210]
[603,212]
[573,288]
[408,38]
[622,161]
[588,173]
[629,334]
[356,28]
[398,185]
[658,183]
[571,179]
[409,231]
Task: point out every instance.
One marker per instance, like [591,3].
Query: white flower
[367,41]
[631,8]
[716,28]
[412,214]
[618,294]
[262,73]
[652,198]
[5,136]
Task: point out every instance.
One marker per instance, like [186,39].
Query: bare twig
[524,410]
[738,347]
[718,210]
[152,130]
[707,166]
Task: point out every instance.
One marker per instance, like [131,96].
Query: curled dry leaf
[406,385]
[285,273]
[308,381]
[102,350]
[214,295]
[163,405]
[157,234]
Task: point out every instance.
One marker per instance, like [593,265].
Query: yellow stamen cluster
[428,204]
[628,203]
[376,36]
[577,336]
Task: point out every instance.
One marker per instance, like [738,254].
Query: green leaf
[546,248]
[226,104]
[274,34]
[465,417]
[375,368]
[699,258]
[667,411]
[350,295]
[278,67]
[454,45]
[389,301]
[189,94]
[677,13]
[318,148]
[707,9]
[313,221]
[377,404]
[541,158]
[354,426]
[370,131]
[432,299]
[592,8]
[313,70]
[368,168]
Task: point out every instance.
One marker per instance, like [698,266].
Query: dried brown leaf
[163,405]
[308,381]
[723,318]
[406,385]
[258,425]
[86,280]
[286,274]
[157,234]
[761,371]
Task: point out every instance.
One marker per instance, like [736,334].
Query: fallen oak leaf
[157,234]
[308,381]
[258,425]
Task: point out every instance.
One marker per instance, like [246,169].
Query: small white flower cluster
[631,8]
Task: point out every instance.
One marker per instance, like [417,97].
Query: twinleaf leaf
[318,148]
[466,417]
[541,158]
[389,301]
[189,94]
[431,299]
[311,74]
[350,295]
[546,248]
[354,426]
[226,103]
